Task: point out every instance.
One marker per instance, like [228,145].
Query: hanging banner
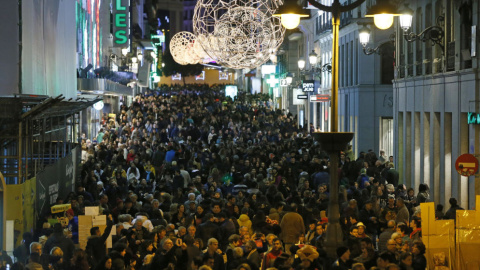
[56,181]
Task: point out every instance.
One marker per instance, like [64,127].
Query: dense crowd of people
[191,179]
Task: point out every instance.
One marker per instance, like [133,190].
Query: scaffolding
[37,131]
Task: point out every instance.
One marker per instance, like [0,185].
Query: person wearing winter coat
[96,248]
[171,255]
[58,239]
[118,256]
[292,227]
[252,254]
[244,220]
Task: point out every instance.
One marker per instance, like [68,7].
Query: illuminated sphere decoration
[200,52]
[238,34]
[182,48]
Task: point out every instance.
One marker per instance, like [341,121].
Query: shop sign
[297,96]
[121,25]
[473,118]
[308,85]
[320,98]
[160,38]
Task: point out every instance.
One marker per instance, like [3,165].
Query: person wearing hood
[96,248]
[244,220]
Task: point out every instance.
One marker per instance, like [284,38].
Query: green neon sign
[161,39]
[473,118]
[120,23]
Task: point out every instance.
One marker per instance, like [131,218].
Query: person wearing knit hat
[341,263]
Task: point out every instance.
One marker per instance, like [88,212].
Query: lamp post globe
[312,57]
[289,78]
[301,63]
[406,18]
[383,21]
[290,14]
[364,36]
[383,14]
[290,21]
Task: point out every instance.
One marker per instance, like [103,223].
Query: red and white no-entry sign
[466,165]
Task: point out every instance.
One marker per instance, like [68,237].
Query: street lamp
[333,142]
[290,14]
[364,35]
[406,18]
[301,63]
[312,57]
[289,78]
[364,38]
[383,14]
[434,33]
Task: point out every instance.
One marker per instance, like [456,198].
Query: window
[386,135]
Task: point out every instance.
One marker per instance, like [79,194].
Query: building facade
[365,104]
[435,89]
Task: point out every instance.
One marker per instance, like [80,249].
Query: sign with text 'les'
[308,85]
[121,23]
[466,165]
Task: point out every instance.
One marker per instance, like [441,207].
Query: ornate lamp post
[333,142]
[364,38]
